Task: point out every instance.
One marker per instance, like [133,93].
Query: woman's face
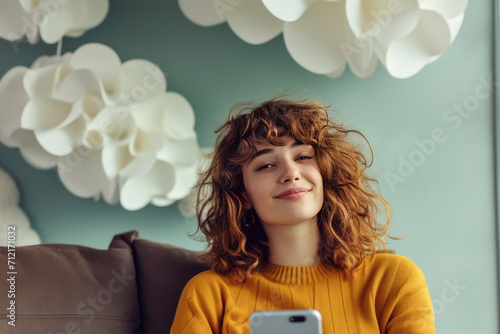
[283,184]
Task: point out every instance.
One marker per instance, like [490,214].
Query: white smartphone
[289,322]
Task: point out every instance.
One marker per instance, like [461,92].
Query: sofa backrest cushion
[162,272]
[60,288]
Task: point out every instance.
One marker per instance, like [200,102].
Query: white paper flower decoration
[111,129]
[325,35]
[187,205]
[12,215]
[49,19]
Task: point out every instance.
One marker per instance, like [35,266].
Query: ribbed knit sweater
[386,294]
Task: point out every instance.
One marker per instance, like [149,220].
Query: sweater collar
[296,274]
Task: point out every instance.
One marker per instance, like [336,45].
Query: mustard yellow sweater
[386,294]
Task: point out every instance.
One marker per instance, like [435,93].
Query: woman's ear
[246,203]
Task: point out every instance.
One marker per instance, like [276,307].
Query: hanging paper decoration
[325,35]
[49,19]
[13,220]
[110,128]
[187,205]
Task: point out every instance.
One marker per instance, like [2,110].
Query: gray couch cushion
[71,289]
[162,272]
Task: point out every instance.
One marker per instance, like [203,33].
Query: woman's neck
[293,245]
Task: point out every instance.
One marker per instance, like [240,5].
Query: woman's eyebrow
[261,152]
[270,150]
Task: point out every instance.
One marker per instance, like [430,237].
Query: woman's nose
[290,173]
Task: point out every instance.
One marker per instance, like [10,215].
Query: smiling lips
[293,193]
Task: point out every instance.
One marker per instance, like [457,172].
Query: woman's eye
[264,167]
[305,157]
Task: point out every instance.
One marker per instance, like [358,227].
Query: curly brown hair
[348,220]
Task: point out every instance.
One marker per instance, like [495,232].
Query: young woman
[291,221]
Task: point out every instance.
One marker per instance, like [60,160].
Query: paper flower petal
[32,151]
[77,112]
[141,144]
[205,12]
[187,205]
[454,25]
[104,63]
[409,55]
[62,141]
[50,19]
[317,39]
[179,153]
[25,235]
[28,5]
[76,84]
[74,173]
[138,167]
[12,20]
[73,18]
[447,8]
[43,61]
[138,192]
[12,214]
[75,33]
[143,79]
[253,23]
[149,114]
[44,113]
[383,19]
[364,63]
[117,160]
[287,10]
[61,21]
[162,200]
[40,81]
[112,124]
[9,196]
[13,101]
[337,72]
[95,13]
[184,181]
[89,105]
[178,119]
[115,157]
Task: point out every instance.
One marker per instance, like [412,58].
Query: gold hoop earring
[253,220]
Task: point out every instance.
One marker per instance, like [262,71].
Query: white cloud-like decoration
[325,35]
[110,128]
[12,215]
[49,19]
[187,205]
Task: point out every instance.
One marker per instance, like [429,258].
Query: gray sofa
[132,287]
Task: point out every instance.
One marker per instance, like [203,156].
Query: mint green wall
[444,206]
